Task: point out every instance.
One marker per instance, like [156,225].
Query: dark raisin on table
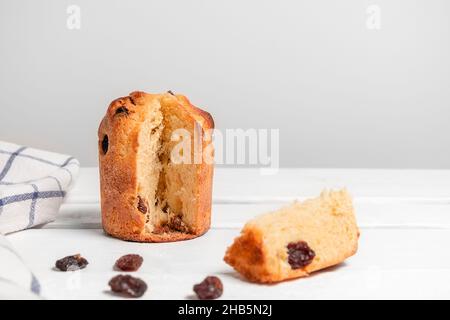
[129,262]
[142,207]
[299,254]
[128,286]
[210,288]
[105,144]
[122,110]
[71,263]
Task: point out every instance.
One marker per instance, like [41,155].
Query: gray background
[341,94]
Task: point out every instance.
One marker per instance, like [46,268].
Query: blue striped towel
[33,184]
[17,281]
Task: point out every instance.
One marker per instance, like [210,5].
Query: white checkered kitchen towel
[33,184]
[17,281]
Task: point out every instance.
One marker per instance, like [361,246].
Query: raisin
[177,224]
[132,100]
[71,263]
[128,286]
[170,91]
[210,288]
[141,205]
[105,144]
[129,262]
[300,254]
[164,228]
[122,110]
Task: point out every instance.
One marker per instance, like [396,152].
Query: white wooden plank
[369,215]
[403,263]
[248,185]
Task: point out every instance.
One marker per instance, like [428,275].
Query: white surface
[404,217]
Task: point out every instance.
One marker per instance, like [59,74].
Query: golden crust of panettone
[327,224]
[118,169]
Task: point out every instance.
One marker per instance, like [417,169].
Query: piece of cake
[296,240]
[145,195]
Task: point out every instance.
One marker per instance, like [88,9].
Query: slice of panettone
[296,240]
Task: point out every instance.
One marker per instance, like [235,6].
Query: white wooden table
[404,216]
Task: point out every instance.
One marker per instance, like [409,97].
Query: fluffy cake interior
[167,190]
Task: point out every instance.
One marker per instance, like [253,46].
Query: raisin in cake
[296,240]
[145,196]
